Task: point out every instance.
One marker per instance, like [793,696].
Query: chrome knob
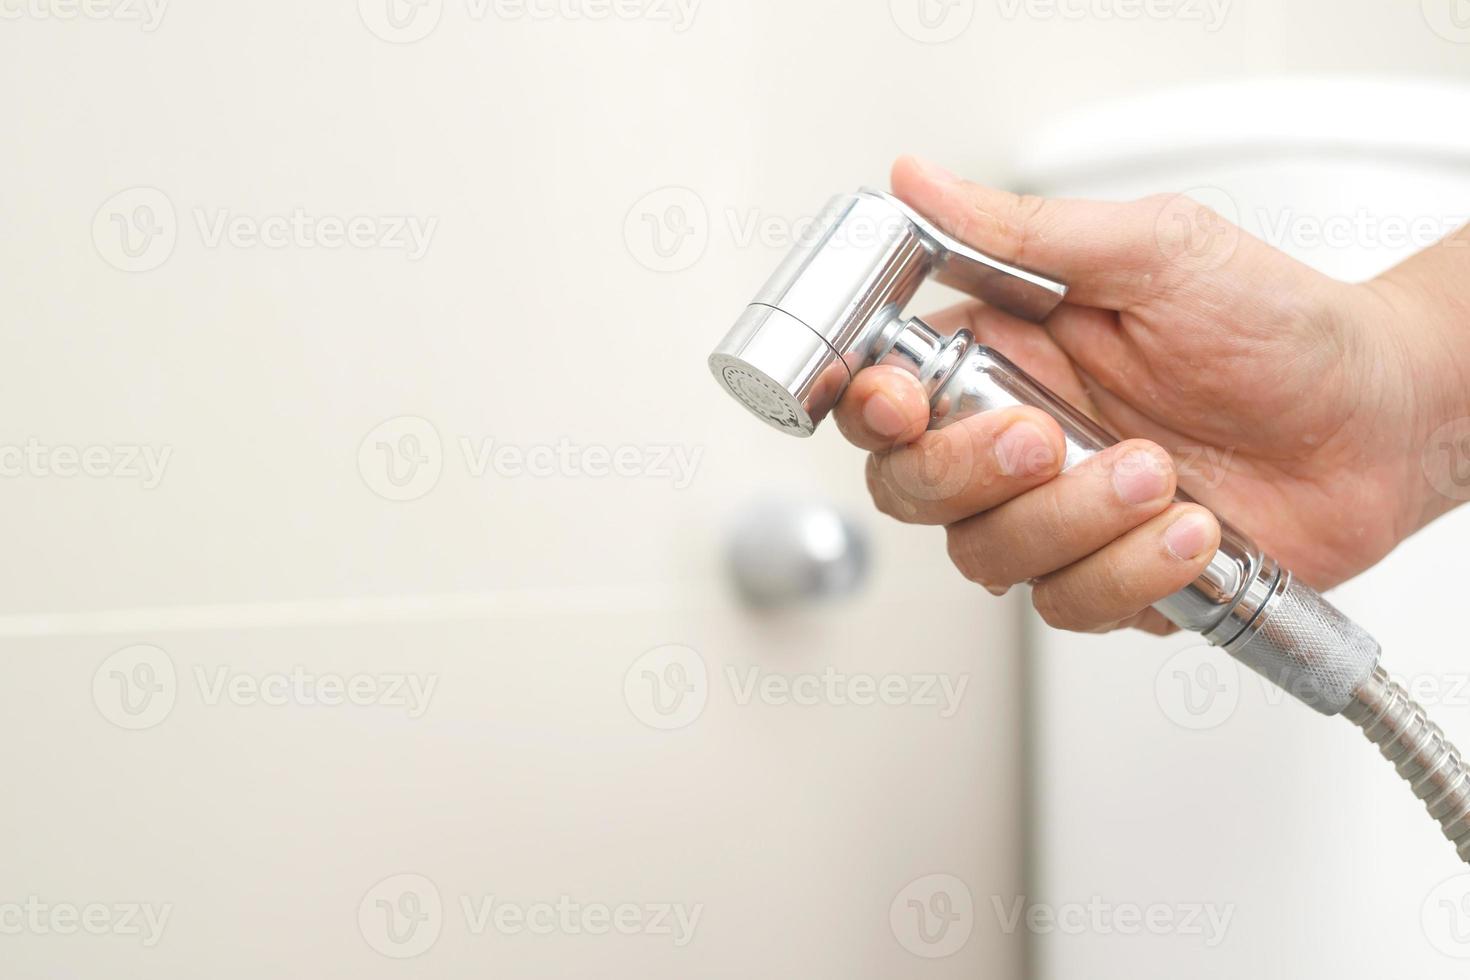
[785,552]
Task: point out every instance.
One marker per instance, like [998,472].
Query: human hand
[1291,403]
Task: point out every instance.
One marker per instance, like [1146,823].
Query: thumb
[1109,254]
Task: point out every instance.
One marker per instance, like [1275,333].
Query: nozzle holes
[761,396]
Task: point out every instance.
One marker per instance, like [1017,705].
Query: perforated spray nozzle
[832,307]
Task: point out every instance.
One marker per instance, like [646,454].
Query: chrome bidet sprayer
[835,306]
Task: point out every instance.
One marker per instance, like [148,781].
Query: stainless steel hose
[1420,752]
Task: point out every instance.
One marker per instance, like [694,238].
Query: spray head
[834,306]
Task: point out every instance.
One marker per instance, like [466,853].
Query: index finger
[883,408]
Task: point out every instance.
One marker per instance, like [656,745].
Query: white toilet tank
[1171,778]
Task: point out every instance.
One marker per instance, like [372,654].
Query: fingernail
[883,417]
[935,172]
[1024,450]
[1139,477]
[1188,536]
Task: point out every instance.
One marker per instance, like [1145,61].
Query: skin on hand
[1292,403]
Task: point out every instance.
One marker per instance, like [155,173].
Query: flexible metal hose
[1419,750]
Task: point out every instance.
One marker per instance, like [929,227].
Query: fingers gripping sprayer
[836,306]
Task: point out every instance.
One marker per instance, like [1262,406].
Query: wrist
[1419,326]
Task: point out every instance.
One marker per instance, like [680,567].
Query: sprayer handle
[1243,600]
